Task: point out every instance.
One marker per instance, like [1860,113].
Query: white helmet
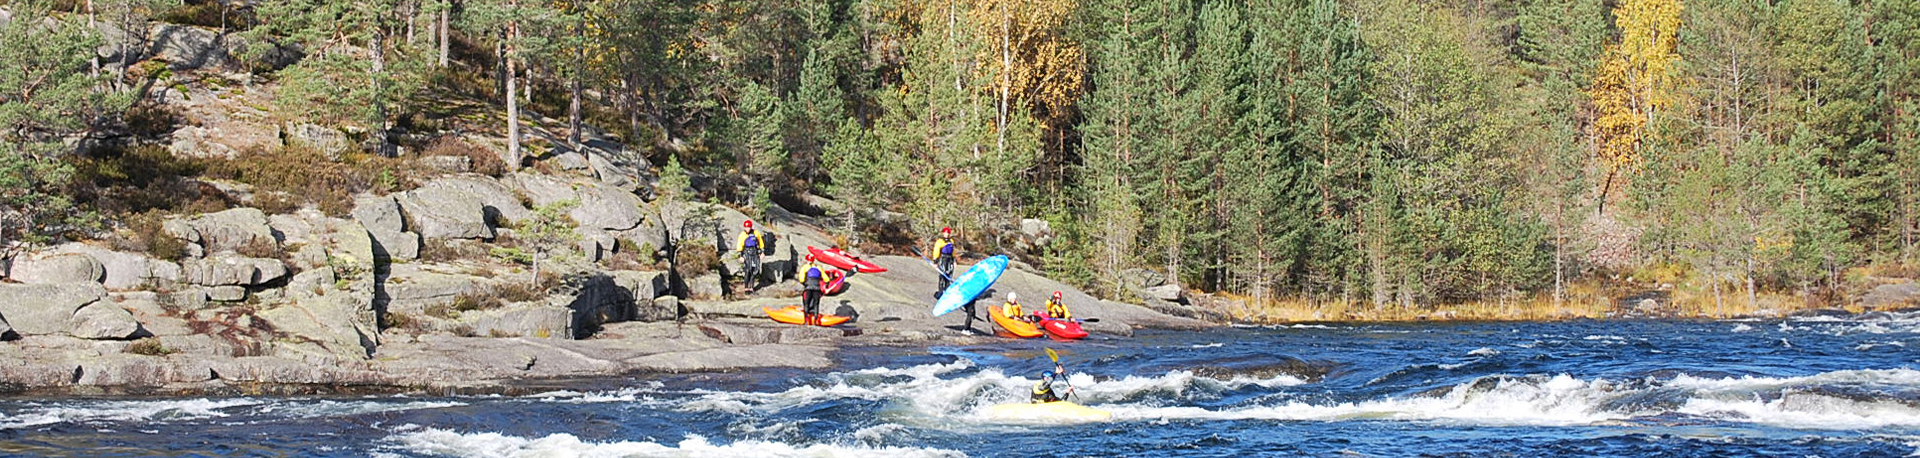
[1013,296]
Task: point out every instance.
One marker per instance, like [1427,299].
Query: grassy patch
[484,161]
[150,347]
[302,171]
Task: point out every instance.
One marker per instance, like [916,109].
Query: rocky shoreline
[408,293]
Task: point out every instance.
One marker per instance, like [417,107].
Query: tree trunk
[95,60]
[380,106]
[573,114]
[1006,76]
[513,103]
[445,34]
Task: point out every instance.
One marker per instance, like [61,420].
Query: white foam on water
[1559,400]
[440,442]
[330,408]
[149,411]
[1208,345]
[629,394]
[1872,345]
[1742,328]
[1483,351]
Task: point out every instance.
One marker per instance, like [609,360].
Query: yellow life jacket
[1011,310]
[1058,310]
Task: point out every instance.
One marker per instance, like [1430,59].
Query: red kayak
[836,282]
[835,257]
[1061,329]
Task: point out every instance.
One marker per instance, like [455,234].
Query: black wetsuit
[811,295]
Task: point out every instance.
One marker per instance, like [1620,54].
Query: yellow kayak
[1047,412]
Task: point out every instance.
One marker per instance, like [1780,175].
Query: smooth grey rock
[616,177]
[46,309]
[546,322]
[310,282]
[1893,294]
[603,207]
[664,308]
[57,268]
[570,161]
[352,246]
[704,287]
[227,293]
[1169,293]
[379,214]
[1143,278]
[1036,229]
[104,320]
[411,289]
[197,142]
[125,270]
[4,327]
[228,230]
[225,270]
[189,299]
[461,207]
[447,164]
[399,246]
[342,323]
[326,140]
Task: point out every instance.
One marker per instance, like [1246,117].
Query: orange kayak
[1018,328]
[791,315]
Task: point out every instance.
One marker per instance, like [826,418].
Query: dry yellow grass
[1584,301]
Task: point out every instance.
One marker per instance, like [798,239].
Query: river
[1825,386]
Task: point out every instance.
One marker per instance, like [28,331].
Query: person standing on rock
[810,279]
[749,247]
[943,248]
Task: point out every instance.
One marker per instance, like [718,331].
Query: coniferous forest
[1394,153]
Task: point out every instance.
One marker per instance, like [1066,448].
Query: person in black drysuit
[810,279]
[943,259]
[1043,391]
[749,247]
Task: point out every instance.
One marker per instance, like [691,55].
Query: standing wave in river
[1817,386]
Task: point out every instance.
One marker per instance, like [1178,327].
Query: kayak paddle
[1063,373]
[936,268]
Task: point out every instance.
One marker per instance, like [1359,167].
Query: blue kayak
[969,285]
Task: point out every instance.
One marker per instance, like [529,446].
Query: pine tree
[47,95]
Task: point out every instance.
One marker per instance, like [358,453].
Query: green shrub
[150,347]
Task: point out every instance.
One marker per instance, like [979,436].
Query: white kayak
[1047,412]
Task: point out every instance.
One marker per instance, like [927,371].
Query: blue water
[1818,386]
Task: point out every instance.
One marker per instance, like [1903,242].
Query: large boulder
[57,268]
[461,207]
[125,271]
[600,206]
[200,143]
[104,320]
[46,309]
[232,270]
[340,322]
[326,140]
[402,246]
[1892,295]
[547,322]
[646,287]
[225,231]
[379,214]
[412,288]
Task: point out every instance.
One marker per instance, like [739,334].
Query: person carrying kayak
[943,259]
[1043,391]
[749,246]
[1057,308]
[810,279]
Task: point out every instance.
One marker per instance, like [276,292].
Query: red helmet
[1056,295]
[809,258]
[946,231]
[747,224]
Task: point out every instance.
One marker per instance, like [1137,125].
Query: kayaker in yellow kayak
[1011,309]
[1057,308]
[1043,391]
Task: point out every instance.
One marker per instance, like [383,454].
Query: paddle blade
[1054,356]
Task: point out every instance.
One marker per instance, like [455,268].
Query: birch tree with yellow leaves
[1636,80]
